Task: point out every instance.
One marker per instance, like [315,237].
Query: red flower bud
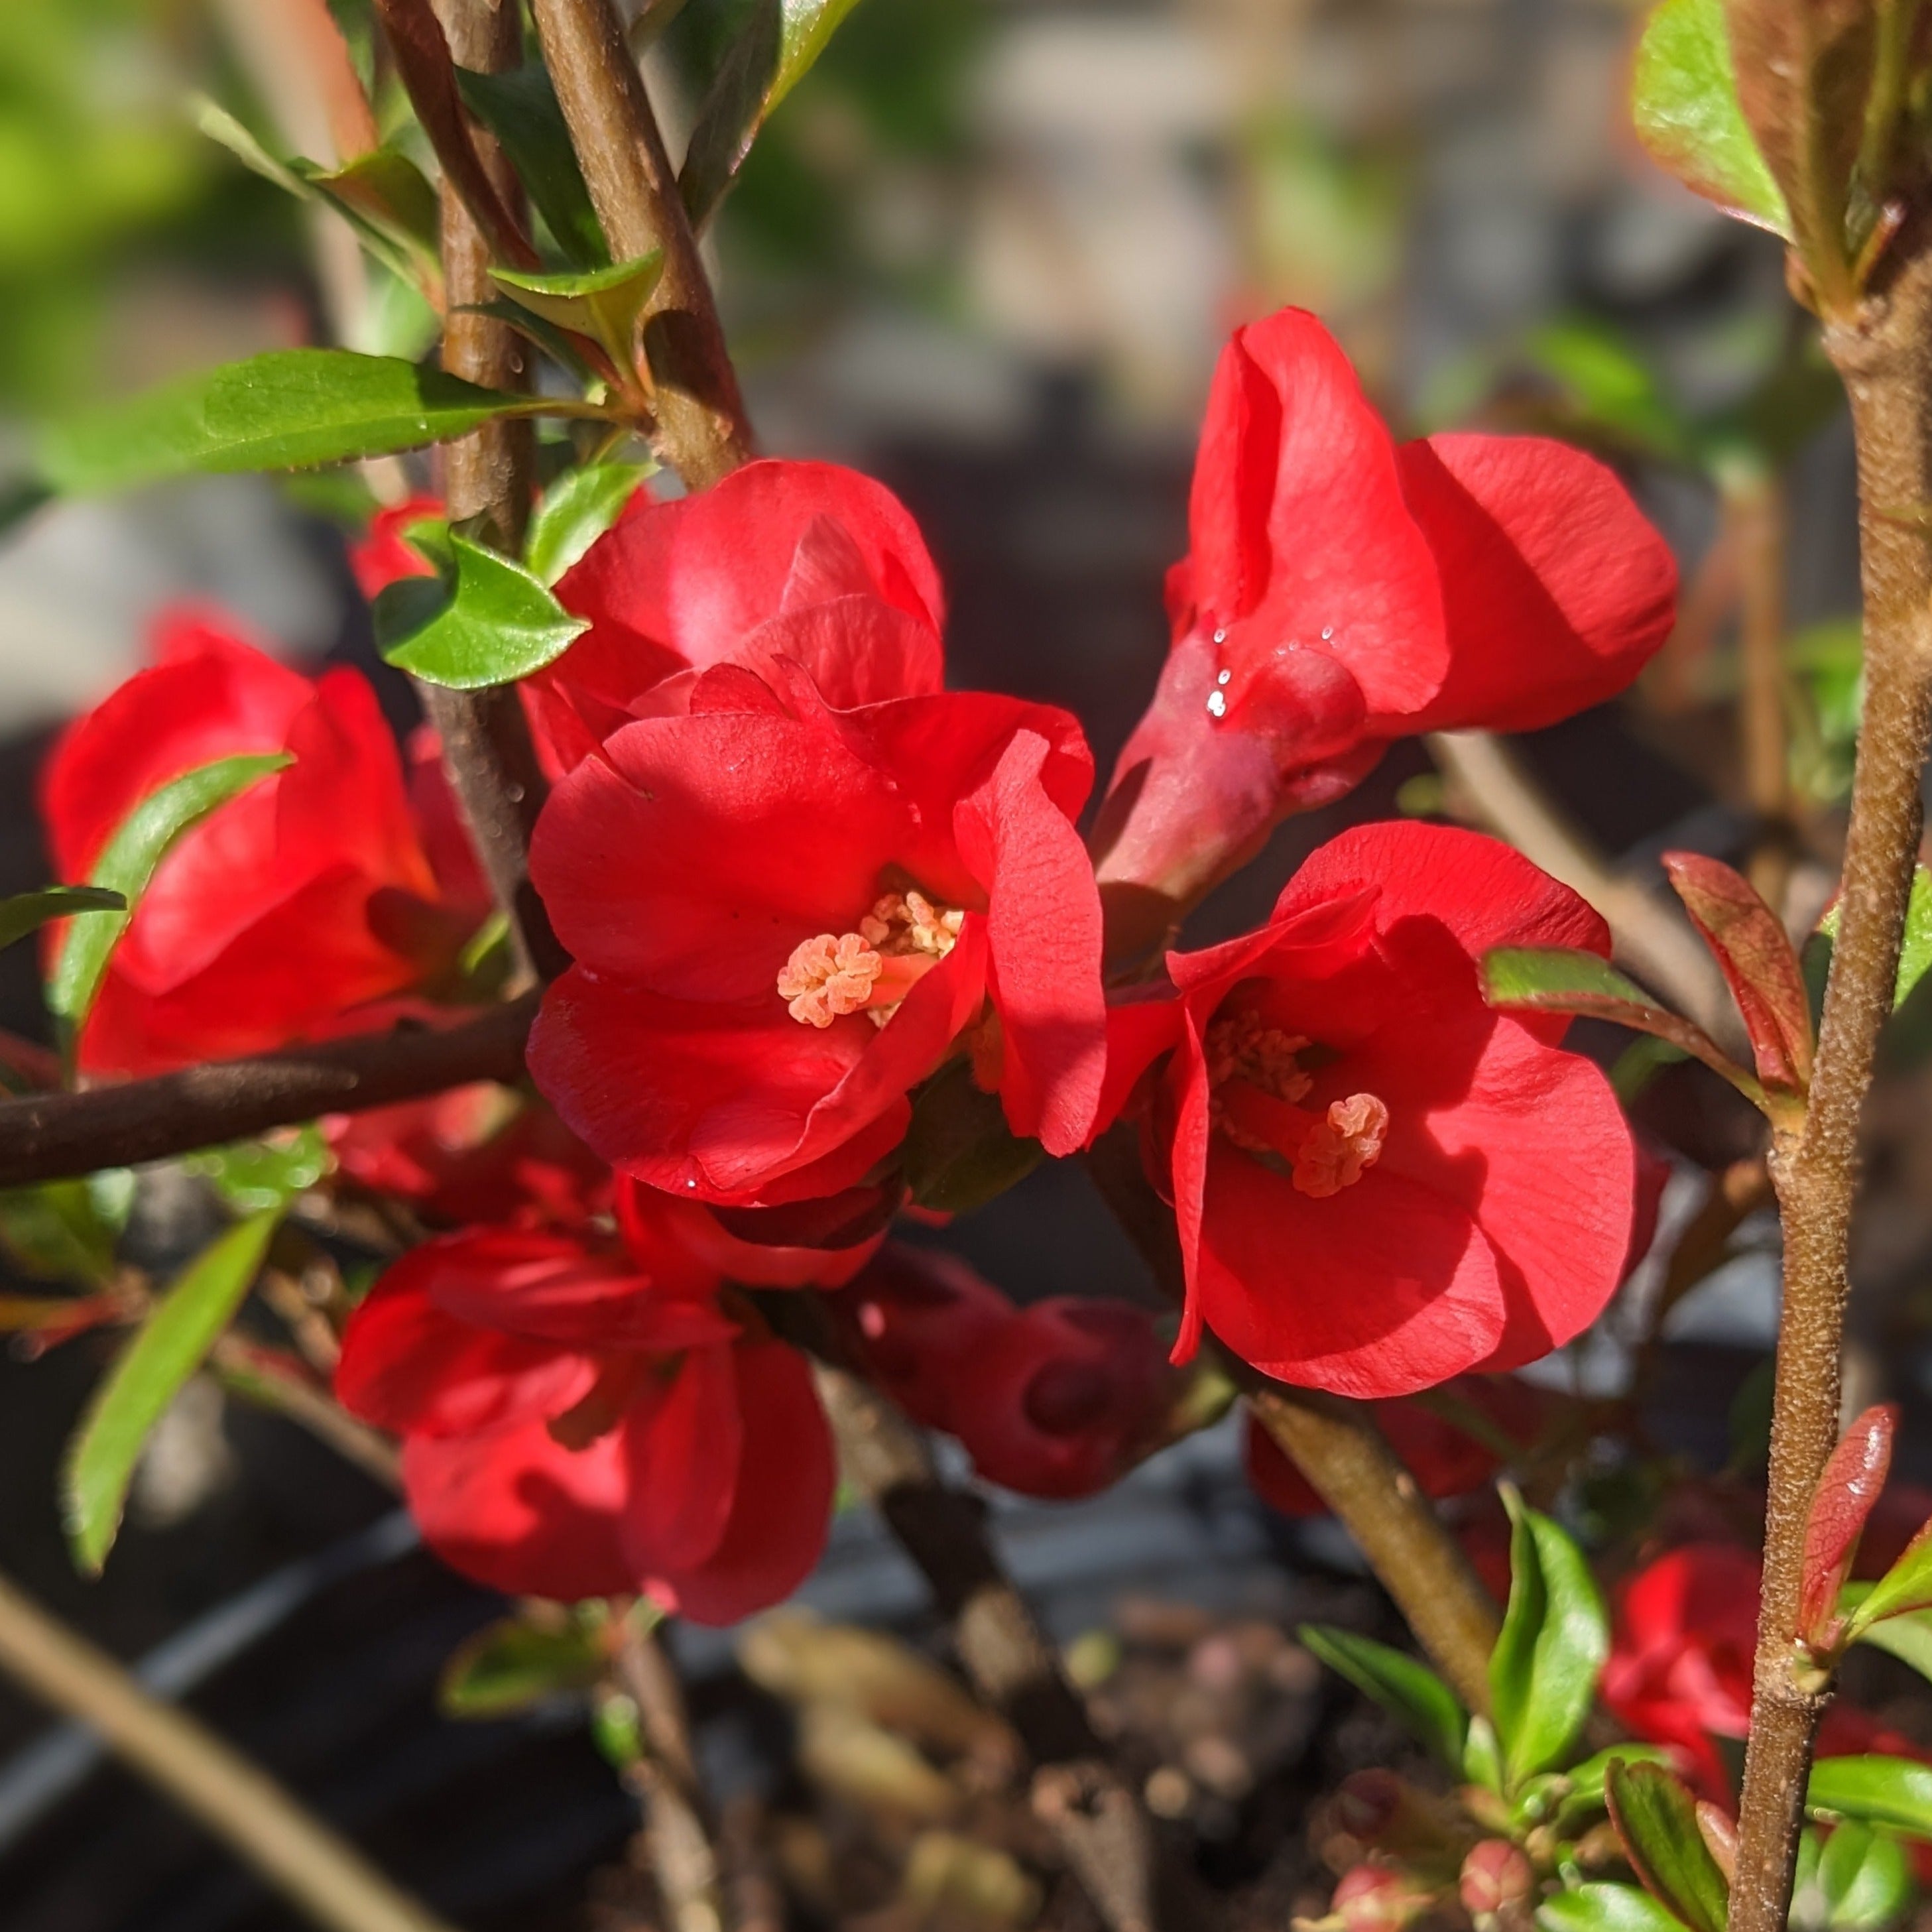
[1375,1898]
[1495,1874]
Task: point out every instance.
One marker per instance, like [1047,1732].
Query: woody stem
[1883,349]
[1336,1445]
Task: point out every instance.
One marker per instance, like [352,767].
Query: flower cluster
[825,913]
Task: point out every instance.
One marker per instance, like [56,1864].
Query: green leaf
[1906,1636]
[1612,387]
[772,54]
[1863,1881]
[1915,952]
[577,509]
[1543,1672]
[384,188]
[520,109]
[606,304]
[499,623]
[66,1230]
[166,1349]
[1482,1760]
[126,862]
[1895,1791]
[1906,1586]
[27,912]
[1559,980]
[1656,1819]
[509,1665]
[1605,1908]
[252,1175]
[1404,1687]
[1684,98]
[289,409]
[958,1152]
[1586,1780]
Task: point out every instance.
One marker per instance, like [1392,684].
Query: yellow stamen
[1255,1079]
[1341,1148]
[830,975]
[870,971]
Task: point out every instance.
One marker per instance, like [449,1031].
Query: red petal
[1043,937]
[517,1511]
[858,650]
[683,1445]
[408,1365]
[783,1505]
[1556,590]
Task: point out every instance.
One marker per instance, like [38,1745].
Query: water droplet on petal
[1224,677]
[1327,632]
[1217,704]
[1221,635]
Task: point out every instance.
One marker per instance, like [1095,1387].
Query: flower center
[870,971]
[1255,1080]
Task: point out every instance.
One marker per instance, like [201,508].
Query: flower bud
[1377,1898]
[1494,1875]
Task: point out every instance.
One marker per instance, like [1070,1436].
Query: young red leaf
[1844,1498]
[1759,962]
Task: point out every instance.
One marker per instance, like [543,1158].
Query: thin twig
[253,1374]
[678,1820]
[487,749]
[1755,505]
[702,430]
[1647,932]
[237,1801]
[49,1136]
[1884,353]
[1336,1445]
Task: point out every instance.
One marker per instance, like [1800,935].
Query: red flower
[1445,1458]
[1342,590]
[1063,1398]
[1380,1182]
[784,918]
[306,897]
[382,557]
[577,1425]
[1679,1672]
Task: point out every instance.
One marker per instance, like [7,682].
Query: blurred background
[988,251]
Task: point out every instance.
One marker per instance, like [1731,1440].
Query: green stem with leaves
[1883,350]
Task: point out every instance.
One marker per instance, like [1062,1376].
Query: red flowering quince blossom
[579,1423]
[1380,1182]
[810,561]
[1342,589]
[785,917]
[311,895]
[1679,1671]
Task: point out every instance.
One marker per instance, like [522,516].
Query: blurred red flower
[1679,1672]
[579,1423]
[308,897]
[785,917]
[1342,590]
[1380,1182]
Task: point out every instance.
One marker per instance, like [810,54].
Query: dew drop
[1224,677]
[1217,704]
[1221,636]
[1327,632]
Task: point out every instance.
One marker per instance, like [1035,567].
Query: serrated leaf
[607,305]
[1403,1687]
[1846,1493]
[1894,1792]
[1760,966]
[509,1665]
[1560,979]
[497,623]
[520,109]
[290,408]
[1543,1670]
[1684,99]
[127,862]
[1656,1820]
[958,1152]
[27,912]
[577,509]
[166,1349]
[773,52]
[1605,1908]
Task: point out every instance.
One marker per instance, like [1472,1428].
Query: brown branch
[486,741]
[679,1826]
[49,1136]
[702,430]
[1884,353]
[237,1801]
[1336,1445]
[1100,1824]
